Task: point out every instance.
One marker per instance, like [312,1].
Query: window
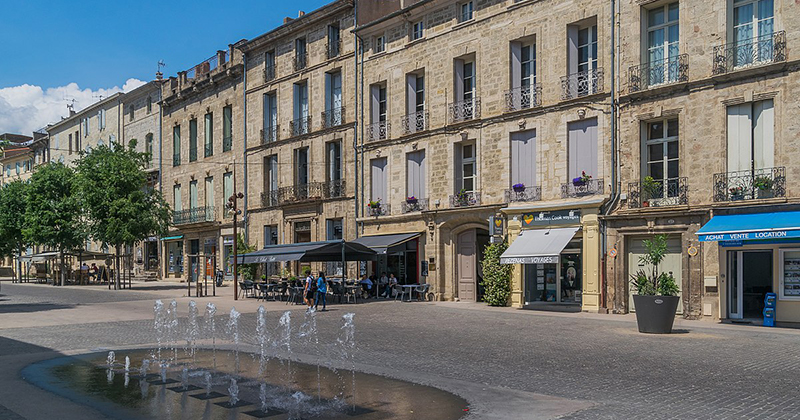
[209,135]
[300,124]
[334,161]
[17,167]
[101,119]
[69,137]
[465,12]
[302,232]
[523,158]
[523,93]
[193,194]
[379,44]
[301,166]
[334,41]
[416,174]
[751,144]
[176,198]
[271,235]
[582,61]
[270,117]
[271,180]
[227,128]
[333,99]
[333,229]
[465,105]
[582,149]
[192,140]
[299,54]
[417,31]
[85,124]
[415,119]
[269,65]
[208,192]
[227,188]
[77,141]
[130,113]
[378,180]
[149,104]
[466,175]
[660,158]
[753,25]
[148,148]
[662,44]
[587,49]
[176,145]
[378,93]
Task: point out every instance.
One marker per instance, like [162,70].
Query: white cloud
[26,108]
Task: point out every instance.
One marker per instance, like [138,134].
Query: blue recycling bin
[769,309]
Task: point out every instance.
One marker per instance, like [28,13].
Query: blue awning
[172,238]
[748,227]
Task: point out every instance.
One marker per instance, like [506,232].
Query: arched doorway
[470,245]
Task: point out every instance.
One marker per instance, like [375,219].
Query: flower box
[518,188]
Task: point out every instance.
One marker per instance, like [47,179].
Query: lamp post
[233,208]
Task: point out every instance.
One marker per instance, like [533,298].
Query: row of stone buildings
[579,128]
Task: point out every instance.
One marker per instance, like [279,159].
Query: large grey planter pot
[655,314]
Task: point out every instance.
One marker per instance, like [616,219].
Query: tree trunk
[19,266]
[116,276]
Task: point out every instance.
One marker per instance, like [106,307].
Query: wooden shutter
[458,176]
[458,79]
[379,180]
[763,135]
[411,94]
[375,103]
[740,137]
[523,158]
[415,174]
[582,149]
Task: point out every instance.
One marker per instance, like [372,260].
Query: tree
[248,271]
[655,282]
[13,200]
[496,276]
[53,212]
[121,208]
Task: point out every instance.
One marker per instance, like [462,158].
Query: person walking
[310,290]
[322,291]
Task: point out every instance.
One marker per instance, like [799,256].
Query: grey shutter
[458,79]
[572,49]
[375,100]
[328,92]
[459,174]
[582,153]
[415,168]
[411,94]
[297,105]
[267,113]
[740,137]
[763,135]
[523,158]
[379,180]
[423,175]
[516,65]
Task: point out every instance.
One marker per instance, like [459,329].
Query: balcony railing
[764,49]
[379,131]
[300,126]
[269,73]
[661,72]
[227,143]
[379,210]
[195,215]
[269,134]
[591,187]
[523,97]
[176,159]
[465,199]
[528,193]
[204,67]
[582,83]
[270,198]
[303,193]
[416,122]
[333,117]
[658,193]
[208,150]
[193,153]
[300,61]
[465,110]
[410,206]
[749,185]
[334,48]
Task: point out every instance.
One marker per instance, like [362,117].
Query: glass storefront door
[554,283]
[571,281]
[750,274]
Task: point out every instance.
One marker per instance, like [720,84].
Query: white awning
[538,246]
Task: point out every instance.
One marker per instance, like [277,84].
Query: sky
[57,51]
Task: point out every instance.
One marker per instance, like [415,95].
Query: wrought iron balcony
[269,134]
[334,48]
[758,51]
[465,199]
[379,210]
[270,198]
[333,117]
[658,193]
[656,73]
[378,131]
[193,153]
[528,193]
[416,122]
[227,143]
[176,159]
[580,189]
[300,61]
[269,73]
[208,150]
[523,97]
[300,126]
[582,83]
[304,192]
[749,185]
[410,206]
[465,110]
[335,188]
[195,215]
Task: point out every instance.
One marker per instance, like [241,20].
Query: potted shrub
[374,204]
[650,190]
[462,197]
[737,193]
[581,180]
[411,200]
[519,187]
[656,297]
[763,185]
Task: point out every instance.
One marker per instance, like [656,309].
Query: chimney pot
[300,13]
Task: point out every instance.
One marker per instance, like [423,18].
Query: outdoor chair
[351,292]
[248,288]
[422,291]
[280,290]
[338,291]
[400,291]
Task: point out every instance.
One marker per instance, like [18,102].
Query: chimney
[287,19]
[72,112]
[300,13]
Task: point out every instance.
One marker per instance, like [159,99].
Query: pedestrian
[322,291]
[310,289]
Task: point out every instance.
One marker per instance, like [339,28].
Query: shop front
[398,254]
[173,248]
[759,253]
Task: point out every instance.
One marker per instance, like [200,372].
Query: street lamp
[233,208]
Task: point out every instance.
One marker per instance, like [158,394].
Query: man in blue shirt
[322,290]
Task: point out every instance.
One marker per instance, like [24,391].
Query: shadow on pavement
[31,307]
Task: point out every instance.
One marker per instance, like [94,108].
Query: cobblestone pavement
[705,371]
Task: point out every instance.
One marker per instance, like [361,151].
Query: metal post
[232,203]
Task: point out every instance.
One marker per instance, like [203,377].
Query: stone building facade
[707,112]
[481,109]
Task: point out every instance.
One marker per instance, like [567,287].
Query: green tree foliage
[53,211]
[654,282]
[496,277]
[248,271]
[120,207]
[13,201]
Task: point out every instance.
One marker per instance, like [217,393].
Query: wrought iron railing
[580,189]
[523,97]
[465,199]
[416,122]
[661,72]
[304,192]
[378,131]
[465,110]
[270,198]
[582,83]
[192,152]
[300,61]
[764,49]
[527,193]
[176,159]
[208,150]
[748,185]
[300,126]
[333,117]
[195,215]
[203,68]
[269,134]
[379,210]
[269,73]
[413,205]
[335,188]
[227,143]
[334,48]
[658,193]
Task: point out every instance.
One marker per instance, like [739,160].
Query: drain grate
[260,414]
[209,396]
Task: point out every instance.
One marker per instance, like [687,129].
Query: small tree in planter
[763,185]
[496,277]
[655,299]
[650,189]
[737,193]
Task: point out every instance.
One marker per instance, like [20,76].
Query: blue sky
[52,49]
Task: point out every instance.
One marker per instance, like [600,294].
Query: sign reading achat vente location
[547,218]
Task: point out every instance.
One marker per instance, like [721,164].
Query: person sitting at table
[391,282]
[93,272]
[366,286]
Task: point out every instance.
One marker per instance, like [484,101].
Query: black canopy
[337,250]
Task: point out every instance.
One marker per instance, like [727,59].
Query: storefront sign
[750,236]
[547,218]
[496,225]
[548,259]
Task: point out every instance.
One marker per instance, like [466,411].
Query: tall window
[69,137]
[334,161]
[208,140]
[269,65]
[587,49]
[270,117]
[662,43]
[176,145]
[751,143]
[149,104]
[300,124]
[130,113]
[227,128]
[379,44]
[415,119]
[334,41]
[333,99]
[582,61]
[582,148]
[208,198]
[416,175]
[177,203]
[299,54]
[193,204]
[271,180]
[192,140]
[148,148]
[523,75]
[378,130]
[466,174]
[227,188]
[523,158]
[466,105]
[378,180]
[417,30]
[301,166]
[661,158]
[465,11]
[85,124]
[101,119]
[753,25]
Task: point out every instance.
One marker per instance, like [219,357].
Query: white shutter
[379,180]
[523,158]
[193,195]
[411,94]
[375,103]
[176,198]
[209,192]
[572,49]
[582,152]
[458,79]
[739,137]
[763,135]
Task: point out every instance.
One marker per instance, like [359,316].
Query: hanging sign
[496,226]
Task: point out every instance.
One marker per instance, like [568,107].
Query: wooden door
[465,254]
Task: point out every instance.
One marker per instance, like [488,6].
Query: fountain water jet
[211,311]
[233,330]
[233,390]
[192,330]
[262,337]
[159,324]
